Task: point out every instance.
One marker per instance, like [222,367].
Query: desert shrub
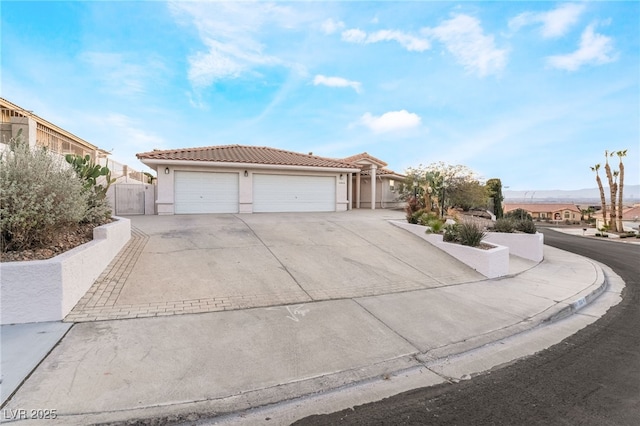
[526,226]
[415,217]
[426,217]
[39,197]
[518,214]
[435,225]
[451,233]
[470,234]
[414,205]
[505,225]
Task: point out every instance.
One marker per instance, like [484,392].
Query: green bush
[526,226]
[435,225]
[470,234]
[39,197]
[518,214]
[451,233]
[505,225]
[415,216]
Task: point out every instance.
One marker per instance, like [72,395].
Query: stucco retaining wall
[528,246]
[491,263]
[47,290]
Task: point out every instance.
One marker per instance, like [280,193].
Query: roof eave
[154,163]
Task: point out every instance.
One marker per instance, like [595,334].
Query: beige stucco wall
[166,185]
[385,198]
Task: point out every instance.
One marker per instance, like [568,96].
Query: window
[392,184]
[566,215]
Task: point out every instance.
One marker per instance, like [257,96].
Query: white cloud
[555,23]
[129,129]
[230,31]
[330,26]
[391,121]
[594,49]
[408,41]
[120,74]
[354,36]
[337,82]
[464,38]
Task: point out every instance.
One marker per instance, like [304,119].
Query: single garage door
[206,192]
[285,193]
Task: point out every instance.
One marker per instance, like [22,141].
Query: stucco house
[553,212]
[252,179]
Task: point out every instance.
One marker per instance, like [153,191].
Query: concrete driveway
[205,263]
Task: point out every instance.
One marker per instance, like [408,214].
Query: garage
[291,193]
[206,192]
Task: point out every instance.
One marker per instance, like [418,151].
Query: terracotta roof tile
[244,154]
[380,172]
[540,208]
[364,156]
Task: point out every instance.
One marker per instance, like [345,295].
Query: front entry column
[358,190]
[373,186]
[349,191]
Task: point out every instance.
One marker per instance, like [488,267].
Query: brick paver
[100,302]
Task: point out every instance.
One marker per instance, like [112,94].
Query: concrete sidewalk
[220,362]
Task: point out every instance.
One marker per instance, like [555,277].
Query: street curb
[554,313]
[342,380]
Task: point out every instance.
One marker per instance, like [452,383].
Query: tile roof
[540,208]
[245,154]
[632,213]
[381,172]
[364,156]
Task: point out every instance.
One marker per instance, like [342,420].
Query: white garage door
[284,193]
[205,192]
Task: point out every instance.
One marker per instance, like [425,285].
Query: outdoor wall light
[246,173]
[166,171]
[341,176]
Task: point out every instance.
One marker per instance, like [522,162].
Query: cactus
[89,172]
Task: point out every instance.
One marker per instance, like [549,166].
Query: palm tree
[612,192]
[620,206]
[603,201]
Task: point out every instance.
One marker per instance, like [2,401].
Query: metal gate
[129,199]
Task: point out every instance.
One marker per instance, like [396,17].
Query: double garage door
[207,192]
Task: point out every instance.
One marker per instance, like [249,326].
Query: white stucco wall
[47,290]
[528,246]
[491,263]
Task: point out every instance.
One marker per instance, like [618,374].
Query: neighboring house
[630,218]
[39,132]
[251,179]
[552,212]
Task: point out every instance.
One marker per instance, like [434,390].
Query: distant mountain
[590,195]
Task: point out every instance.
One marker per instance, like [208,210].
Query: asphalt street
[591,378]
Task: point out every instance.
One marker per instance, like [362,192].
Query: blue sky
[528,92]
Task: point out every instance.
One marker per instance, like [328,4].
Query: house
[39,132]
[553,212]
[252,179]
